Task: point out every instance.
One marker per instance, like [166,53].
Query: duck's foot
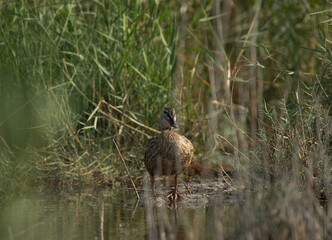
[174,195]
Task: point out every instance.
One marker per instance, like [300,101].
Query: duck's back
[168,154]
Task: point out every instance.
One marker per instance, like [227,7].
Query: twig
[217,135]
[186,186]
[126,169]
[321,87]
[124,124]
[130,118]
[223,177]
[9,150]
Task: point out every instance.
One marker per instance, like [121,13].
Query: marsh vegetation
[250,81]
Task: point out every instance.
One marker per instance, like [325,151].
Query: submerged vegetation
[250,80]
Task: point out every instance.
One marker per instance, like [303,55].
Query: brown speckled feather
[168,154]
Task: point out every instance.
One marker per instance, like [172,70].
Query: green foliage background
[60,59]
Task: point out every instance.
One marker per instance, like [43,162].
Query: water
[113,214]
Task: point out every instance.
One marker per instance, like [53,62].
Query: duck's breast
[168,154]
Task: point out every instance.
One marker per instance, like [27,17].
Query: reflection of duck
[168,153]
[165,229]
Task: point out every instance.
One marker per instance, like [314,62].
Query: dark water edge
[110,214]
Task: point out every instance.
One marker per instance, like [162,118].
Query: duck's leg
[176,186]
[175,195]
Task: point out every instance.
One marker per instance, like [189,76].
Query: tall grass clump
[287,176]
[59,61]
[282,143]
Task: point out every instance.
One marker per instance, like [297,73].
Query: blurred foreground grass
[251,83]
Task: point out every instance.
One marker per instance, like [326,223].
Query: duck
[169,153]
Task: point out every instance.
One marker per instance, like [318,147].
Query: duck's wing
[151,153]
[188,145]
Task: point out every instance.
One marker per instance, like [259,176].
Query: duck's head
[168,119]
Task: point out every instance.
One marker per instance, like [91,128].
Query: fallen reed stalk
[130,118]
[124,163]
[124,124]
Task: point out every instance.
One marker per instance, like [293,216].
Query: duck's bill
[174,124]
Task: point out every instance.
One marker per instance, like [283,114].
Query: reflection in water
[104,215]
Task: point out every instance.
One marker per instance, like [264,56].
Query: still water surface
[111,214]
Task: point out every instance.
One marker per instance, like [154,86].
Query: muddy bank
[196,194]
